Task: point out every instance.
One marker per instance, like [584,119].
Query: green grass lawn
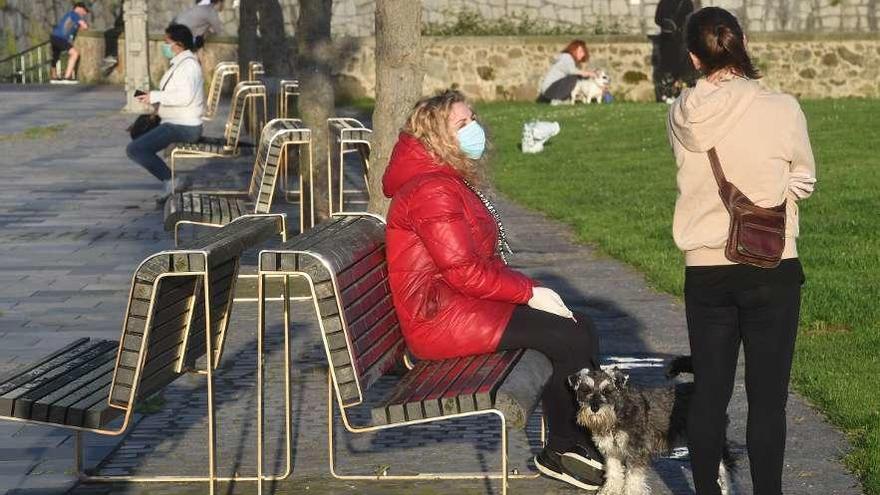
[610,175]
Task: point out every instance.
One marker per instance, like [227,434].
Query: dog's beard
[599,422]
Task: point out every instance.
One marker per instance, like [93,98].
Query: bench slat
[93,349]
[484,396]
[394,409]
[60,409]
[431,402]
[40,409]
[23,407]
[412,401]
[18,377]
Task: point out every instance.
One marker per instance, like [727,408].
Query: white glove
[801,184]
[544,299]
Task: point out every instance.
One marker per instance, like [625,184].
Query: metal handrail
[23,64]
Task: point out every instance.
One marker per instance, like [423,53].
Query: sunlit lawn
[611,176]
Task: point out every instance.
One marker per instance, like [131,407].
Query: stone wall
[499,68]
[493,68]
[24,22]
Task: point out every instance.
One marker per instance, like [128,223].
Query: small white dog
[590,89]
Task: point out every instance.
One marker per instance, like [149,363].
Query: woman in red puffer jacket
[452,289]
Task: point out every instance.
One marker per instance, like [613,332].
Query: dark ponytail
[181,34]
[716,38]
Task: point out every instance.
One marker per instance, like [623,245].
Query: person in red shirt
[453,291]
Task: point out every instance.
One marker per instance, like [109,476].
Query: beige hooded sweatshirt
[761,139]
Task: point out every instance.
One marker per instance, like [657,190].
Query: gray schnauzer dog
[631,425]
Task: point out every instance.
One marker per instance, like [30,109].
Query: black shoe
[585,461]
[549,463]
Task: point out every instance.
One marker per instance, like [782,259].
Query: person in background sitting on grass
[761,139]
[62,38]
[450,282]
[181,102]
[560,79]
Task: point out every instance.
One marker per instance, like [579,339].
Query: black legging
[560,90]
[570,347]
[726,306]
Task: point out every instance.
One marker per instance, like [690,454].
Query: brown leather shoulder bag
[757,235]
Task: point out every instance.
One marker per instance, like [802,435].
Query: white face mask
[472,140]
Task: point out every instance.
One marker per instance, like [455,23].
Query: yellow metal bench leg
[504,476]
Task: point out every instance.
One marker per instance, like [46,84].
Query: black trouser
[570,347]
[560,90]
[59,46]
[726,306]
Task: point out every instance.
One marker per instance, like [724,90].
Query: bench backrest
[345,261]
[222,71]
[165,322]
[277,135]
[256,70]
[346,135]
[287,89]
[246,93]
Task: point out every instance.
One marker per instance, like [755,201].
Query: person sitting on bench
[181,103]
[451,286]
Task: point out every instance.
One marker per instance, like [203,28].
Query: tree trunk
[248,42]
[314,61]
[261,37]
[399,76]
[273,40]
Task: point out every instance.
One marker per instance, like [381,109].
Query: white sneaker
[169,188]
[555,103]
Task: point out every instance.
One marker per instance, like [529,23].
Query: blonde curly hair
[429,123]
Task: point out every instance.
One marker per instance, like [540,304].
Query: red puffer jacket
[453,293]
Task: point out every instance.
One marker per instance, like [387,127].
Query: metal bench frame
[333,384]
[278,135]
[287,89]
[222,71]
[256,70]
[245,100]
[347,135]
[193,263]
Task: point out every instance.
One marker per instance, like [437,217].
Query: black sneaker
[585,461]
[549,463]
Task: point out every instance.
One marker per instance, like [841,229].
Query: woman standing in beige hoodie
[761,139]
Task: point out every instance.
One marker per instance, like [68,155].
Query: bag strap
[170,76]
[723,184]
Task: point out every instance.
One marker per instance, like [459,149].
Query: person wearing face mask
[201,19]
[453,291]
[180,103]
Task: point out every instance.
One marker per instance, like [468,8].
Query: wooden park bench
[177,315]
[247,101]
[218,208]
[343,262]
[346,136]
[222,72]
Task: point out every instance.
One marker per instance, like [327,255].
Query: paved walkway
[77,217]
